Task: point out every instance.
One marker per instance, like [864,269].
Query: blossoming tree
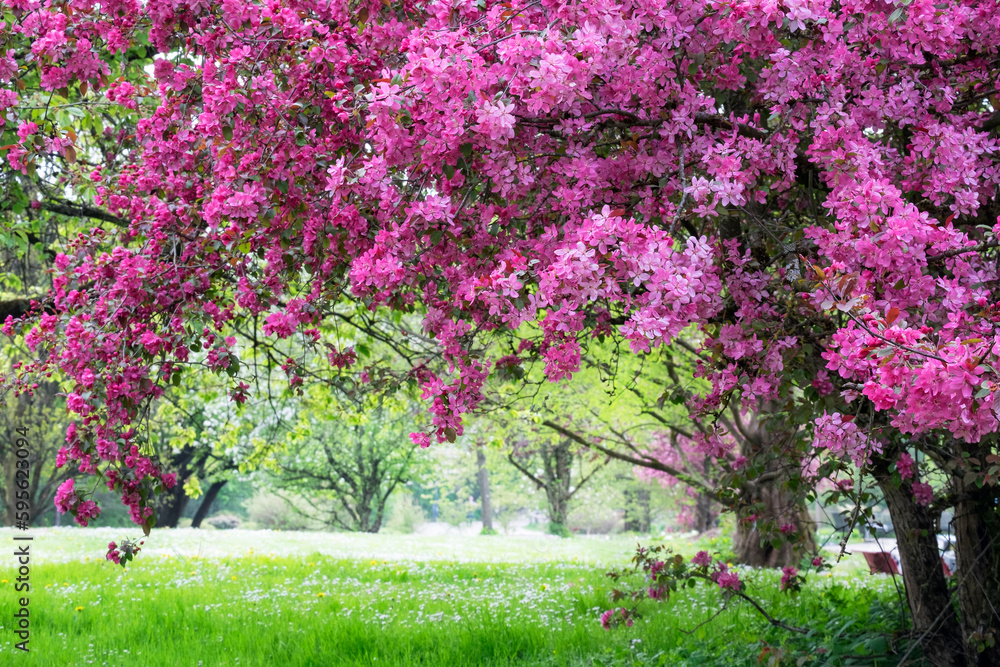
[810,182]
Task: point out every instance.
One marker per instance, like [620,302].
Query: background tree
[485,501]
[558,467]
[43,414]
[347,463]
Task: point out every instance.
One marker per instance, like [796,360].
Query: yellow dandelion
[311,564]
[321,595]
[191,572]
[374,562]
[234,577]
[3,581]
[79,608]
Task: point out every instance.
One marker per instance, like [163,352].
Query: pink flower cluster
[569,181]
[840,435]
[905,466]
[789,578]
[67,500]
[613,617]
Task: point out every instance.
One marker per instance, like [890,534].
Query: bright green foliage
[415,601]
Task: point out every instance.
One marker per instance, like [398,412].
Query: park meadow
[262,598]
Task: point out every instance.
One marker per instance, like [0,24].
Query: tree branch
[645,461]
[82,211]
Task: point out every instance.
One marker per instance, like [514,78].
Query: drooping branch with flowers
[810,184]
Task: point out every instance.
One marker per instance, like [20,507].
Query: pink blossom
[905,466]
[788,575]
[728,579]
[923,494]
[65,496]
[86,511]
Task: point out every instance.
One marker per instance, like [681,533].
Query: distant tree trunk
[376,523]
[704,517]
[362,521]
[558,510]
[206,503]
[558,471]
[171,506]
[637,511]
[484,490]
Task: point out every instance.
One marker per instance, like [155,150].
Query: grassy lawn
[271,598]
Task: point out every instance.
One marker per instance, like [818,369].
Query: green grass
[266,598]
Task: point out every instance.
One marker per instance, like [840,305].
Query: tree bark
[206,503]
[704,517]
[935,623]
[484,490]
[777,505]
[637,512]
[977,548]
[557,512]
[557,473]
[170,507]
[768,495]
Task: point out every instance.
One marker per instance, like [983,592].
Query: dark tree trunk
[558,510]
[558,469]
[484,490]
[206,503]
[376,522]
[933,617]
[777,505]
[637,512]
[362,523]
[704,516]
[769,499]
[977,548]
[170,507]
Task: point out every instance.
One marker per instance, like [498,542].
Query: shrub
[268,511]
[224,521]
